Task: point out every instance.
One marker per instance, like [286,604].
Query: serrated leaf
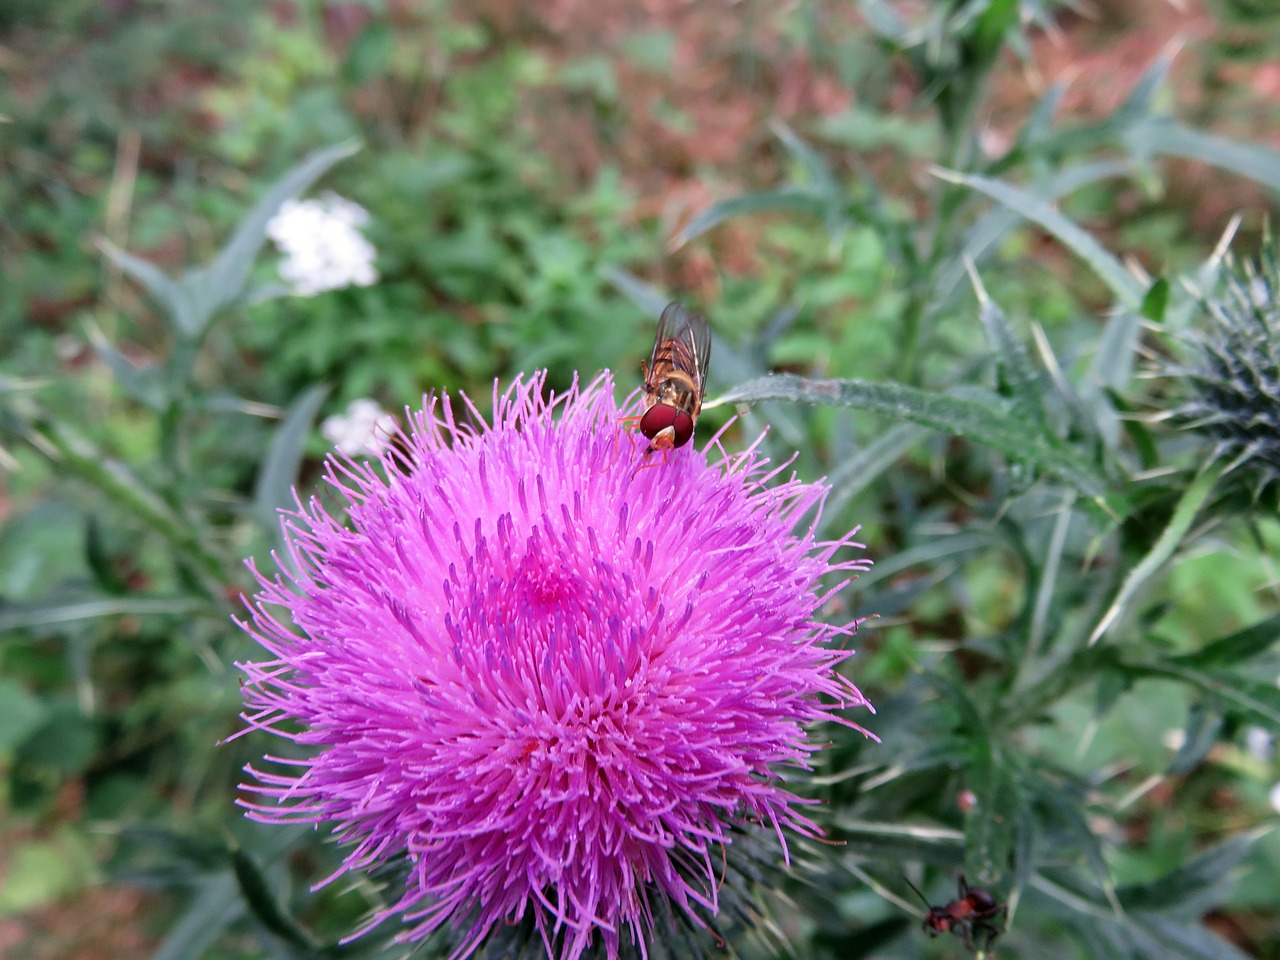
[986,422]
[992,821]
[181,313]
[1241,645]
[787,200]
[1123,284]
[279,470]
[1256,702]
[1166,545]
[223,281]
[1018,378]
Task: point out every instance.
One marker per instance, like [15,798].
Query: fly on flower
[675,379]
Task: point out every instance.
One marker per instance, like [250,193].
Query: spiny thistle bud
[1232,370]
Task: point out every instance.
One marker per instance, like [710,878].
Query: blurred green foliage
[1075,626]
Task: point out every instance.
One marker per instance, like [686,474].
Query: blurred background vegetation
[538,176]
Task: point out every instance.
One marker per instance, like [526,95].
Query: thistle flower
[552,681]
[1232,371]
[322,245]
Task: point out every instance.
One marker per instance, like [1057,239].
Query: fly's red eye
[657,418]
[684,428]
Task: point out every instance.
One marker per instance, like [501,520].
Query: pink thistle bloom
[554,682]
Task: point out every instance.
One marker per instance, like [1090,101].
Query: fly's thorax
[678,390]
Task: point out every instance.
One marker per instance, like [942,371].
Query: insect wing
[684,341]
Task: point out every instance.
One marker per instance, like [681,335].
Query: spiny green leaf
[1183,515]
[1019,380]
[984,421]
[1123,284]
[1239,646]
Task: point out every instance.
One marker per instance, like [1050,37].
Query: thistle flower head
[1232,370]
[555,683]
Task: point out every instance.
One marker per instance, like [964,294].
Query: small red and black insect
[974,915]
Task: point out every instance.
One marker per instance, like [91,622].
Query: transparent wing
[683,340]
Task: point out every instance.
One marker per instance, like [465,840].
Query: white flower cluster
[365,429]
[322,245]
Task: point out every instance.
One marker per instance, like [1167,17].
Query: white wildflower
[364,429]
[322,245]
[1274,797]
[1258,744]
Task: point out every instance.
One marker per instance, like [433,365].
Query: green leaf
[179,309]
[1242,645]
[24,713]
[1138,104]
[646,296]
[263,903]
[144,384]
[1017,377]
[884,21]
[991,824]
[217,905]
[65,743]
[1156,300]
[787,200]
[1199,737]
[989,32]
[1123,284]
[901,841]
[1040,122]
[1187,883]
[1166,545]
[815,167]
[982,421]
[279,470]
[859,471]
[1168,137]
[223,281]
[983,236]
[45,613]
[1110,372]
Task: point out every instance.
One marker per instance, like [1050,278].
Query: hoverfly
[974,913]
[675,379]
